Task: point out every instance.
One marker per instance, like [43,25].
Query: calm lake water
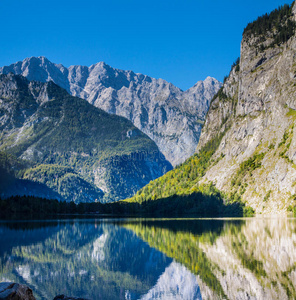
[152,259]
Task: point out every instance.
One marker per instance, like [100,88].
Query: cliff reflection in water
[152,259]
[252,259]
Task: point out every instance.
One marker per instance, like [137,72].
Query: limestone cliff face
[255,112]
[257,262]
[169,116]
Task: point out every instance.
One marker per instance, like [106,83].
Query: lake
[152,258]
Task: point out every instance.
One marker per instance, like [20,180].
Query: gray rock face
[256,115]
[268,241]
[15,291]
[169,116]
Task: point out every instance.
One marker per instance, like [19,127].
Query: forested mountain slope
[72,147]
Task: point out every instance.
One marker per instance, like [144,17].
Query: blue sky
[181,41]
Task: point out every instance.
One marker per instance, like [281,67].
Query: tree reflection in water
[152,259]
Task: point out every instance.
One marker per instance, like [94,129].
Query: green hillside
[72,147]
[180,191]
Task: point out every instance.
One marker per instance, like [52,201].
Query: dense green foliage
[183,180]
[11,167]
[179,191]
[278,23]
[12,182]
[66,182]
[11,163]
[45,181]
[238,182]
[206,206]
[292,209]
[8,166]
[31,206]
[208,203]
[251,164]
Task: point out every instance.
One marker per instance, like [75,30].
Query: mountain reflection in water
[152,259]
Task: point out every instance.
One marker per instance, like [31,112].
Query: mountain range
[245,160]
[172,118]
[56,144]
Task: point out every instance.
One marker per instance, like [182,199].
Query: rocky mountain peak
[169,116]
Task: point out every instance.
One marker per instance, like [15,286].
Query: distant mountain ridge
[171,117]
[73,148]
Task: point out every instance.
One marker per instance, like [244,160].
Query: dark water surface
[152,259]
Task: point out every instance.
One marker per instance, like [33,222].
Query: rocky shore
[16,291]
